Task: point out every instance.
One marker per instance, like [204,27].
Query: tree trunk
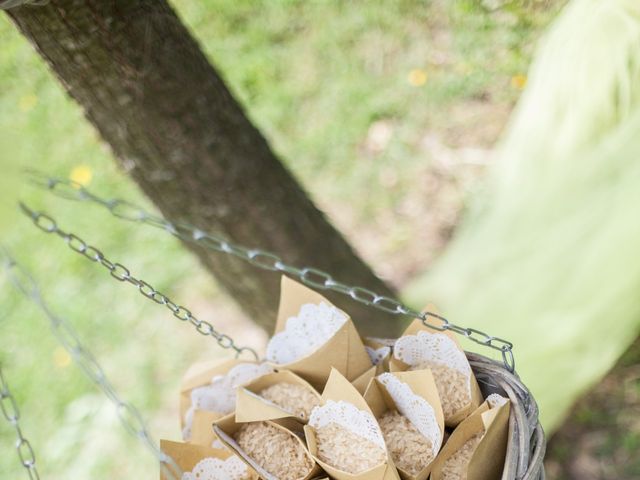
[146,86]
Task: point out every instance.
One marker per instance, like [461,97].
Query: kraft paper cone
[202,429]
[421,384]
[202,374]
[227,427]
[198,375]
[251,407]
[395,365]
[188,456]
[487,460]
[382,352]
[362,382]
[338,388]
[344,351]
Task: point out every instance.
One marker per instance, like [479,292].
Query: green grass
[314,76]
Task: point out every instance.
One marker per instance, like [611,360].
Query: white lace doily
[215,469]
[428,347]
[415,408]
[378,355]
[305,333]
[349,417]
[220,395]
[496,400]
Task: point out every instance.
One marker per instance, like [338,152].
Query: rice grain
[347,451]
[455,467]
[452,386]
[295,399]
[275,450]
[409,449]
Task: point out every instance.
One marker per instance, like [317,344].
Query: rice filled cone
[421,347]
[379,354]
[379,351]
[202,429]
[211,386]
[344,437]
[205,463]
[276,395]
[476,449]
[272,448]
[198,375]
[312,336]
[407,408]
[362,382]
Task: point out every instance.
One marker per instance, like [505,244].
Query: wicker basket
[527,443]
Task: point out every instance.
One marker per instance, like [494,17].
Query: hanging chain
[311,277]
[7,4]
[11,414]
[66,335]
[123,274]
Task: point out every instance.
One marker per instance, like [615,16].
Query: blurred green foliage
[546,254]
[313,76]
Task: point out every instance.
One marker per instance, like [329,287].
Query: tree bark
[148,89]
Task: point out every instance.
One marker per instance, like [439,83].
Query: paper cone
[251,407]
[193,458]
[487,460]
[395,365]
[227,427]
[379,352]
[201,375]
[382,354]
[362,382]
[422,385]
[202,428]
[198,375]
[344,350]
[338,388]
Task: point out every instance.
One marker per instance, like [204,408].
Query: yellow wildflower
[28,102]
[417,77]
[519,81]
[61,358]
[82,175]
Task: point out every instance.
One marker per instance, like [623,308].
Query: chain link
[8,4]
[11,414]
[123,274]
[311,277]
[128,415]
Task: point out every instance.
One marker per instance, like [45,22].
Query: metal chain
[66,335]
[11,414]
[312,277]
[123,274]
[7,4]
